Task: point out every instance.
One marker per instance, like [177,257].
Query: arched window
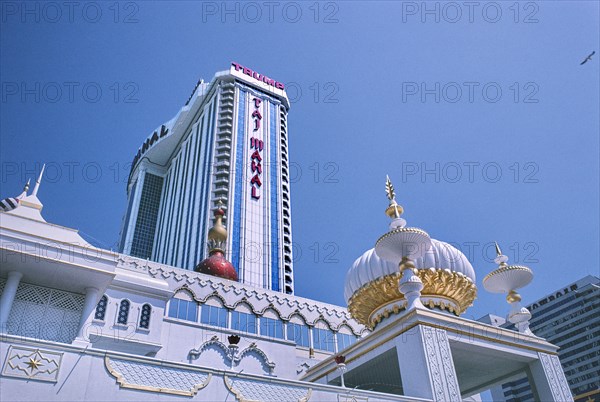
[145,316]
[243,319]
[323,337]
[123,312]
[183,306]
[297,331]
[213,313]
[271,325]
[101,308]
[345,338]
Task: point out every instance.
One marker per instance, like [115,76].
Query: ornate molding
[163,378]
[441,366]
[556,377]
[442,288]
[231,353]
[32,364]
[246,390]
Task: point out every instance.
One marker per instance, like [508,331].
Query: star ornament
[34,364]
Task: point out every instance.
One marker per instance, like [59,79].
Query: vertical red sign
[256,159]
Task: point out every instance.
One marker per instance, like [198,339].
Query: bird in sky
[588,58]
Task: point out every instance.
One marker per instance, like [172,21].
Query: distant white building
[81,323]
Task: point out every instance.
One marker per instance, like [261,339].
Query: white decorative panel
[556,377]
[441,365]
[246,390]
[31,363]
[138,374]
[45,313]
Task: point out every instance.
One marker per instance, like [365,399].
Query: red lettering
[256,180]
[236,65]
[256,155]
[254,195]
[256,143]
[256,167]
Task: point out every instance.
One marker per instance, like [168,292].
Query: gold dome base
[442,288]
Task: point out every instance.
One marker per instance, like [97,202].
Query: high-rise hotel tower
[228,145]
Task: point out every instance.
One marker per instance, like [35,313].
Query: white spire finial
[37,183]
[25,190]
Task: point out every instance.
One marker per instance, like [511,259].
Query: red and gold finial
[216,264]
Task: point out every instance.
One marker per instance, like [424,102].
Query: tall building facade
[570,319]
[227,146]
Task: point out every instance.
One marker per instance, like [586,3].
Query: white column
[8,297]
[284,325]
[548,379]
[311,344]
[89,306]
[426,364]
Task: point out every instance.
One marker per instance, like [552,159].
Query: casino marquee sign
[258,76]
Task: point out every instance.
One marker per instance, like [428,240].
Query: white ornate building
[82,323]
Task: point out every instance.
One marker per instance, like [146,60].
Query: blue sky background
[360,125]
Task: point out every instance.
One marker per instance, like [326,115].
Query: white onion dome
[447,275]
[369,266]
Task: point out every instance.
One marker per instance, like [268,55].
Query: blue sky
[483,118]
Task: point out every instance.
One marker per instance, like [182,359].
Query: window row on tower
[286,213]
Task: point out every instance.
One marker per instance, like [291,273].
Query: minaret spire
[25,190]
[39,180]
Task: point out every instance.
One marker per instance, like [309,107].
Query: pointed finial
[393,210]
[498,251]
[39,180]
[25,190]
[500,259]
[389,188]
